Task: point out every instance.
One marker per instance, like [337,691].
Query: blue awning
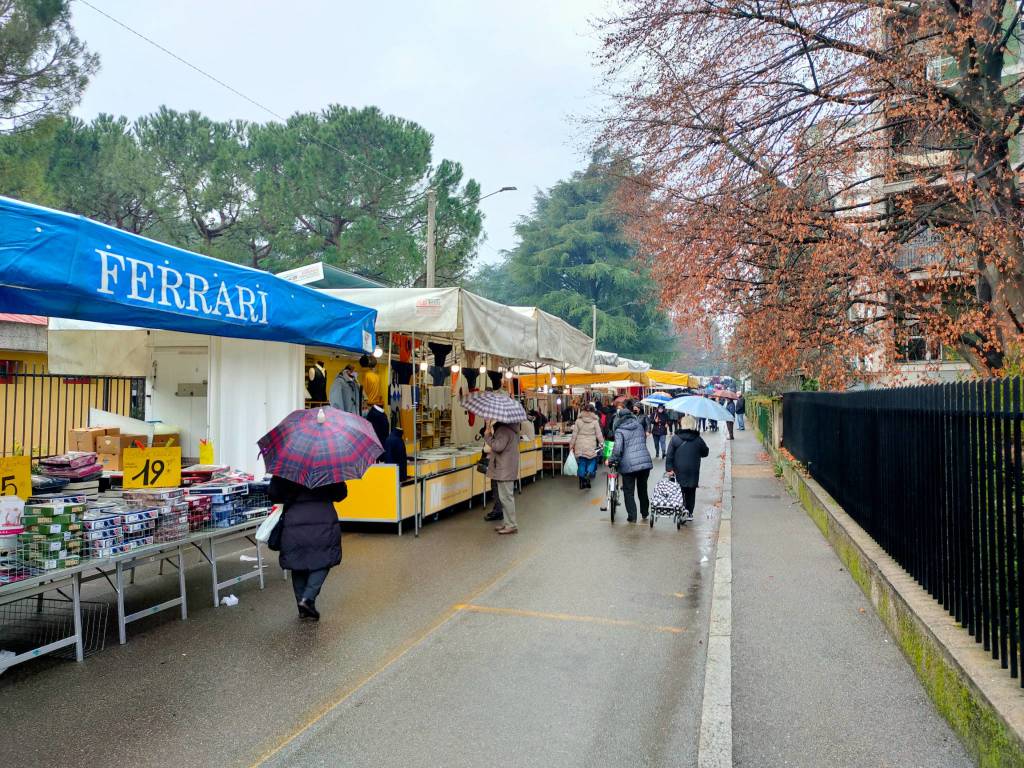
[62,265]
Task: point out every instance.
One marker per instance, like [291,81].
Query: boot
[582,481]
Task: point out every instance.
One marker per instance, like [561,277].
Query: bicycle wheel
[651,517]
[613,502]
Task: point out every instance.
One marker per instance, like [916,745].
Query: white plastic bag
[570,466]
[268,525]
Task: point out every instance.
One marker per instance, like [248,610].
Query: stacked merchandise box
[170,507]
[53,534]
[80,469]
[104,536]
[138,528]
[227,501]
[200,511]
[257,503]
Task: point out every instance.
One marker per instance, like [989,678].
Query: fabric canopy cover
[673,379]
[538,380]
[558,343]
[483,325]
[62,265]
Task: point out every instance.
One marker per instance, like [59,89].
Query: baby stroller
[667,501]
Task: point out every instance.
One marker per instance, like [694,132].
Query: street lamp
[432,228]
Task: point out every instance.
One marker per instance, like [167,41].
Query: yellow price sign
[206,452]
[152,467]
[16,476]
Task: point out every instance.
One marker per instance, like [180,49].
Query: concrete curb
[982,703]
[715,746]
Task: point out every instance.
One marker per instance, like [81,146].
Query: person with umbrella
[502,416]
[310,455]
[730,406]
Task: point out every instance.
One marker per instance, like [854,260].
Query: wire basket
[255,505]
[33,622]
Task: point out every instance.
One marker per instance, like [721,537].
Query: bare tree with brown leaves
[830,177]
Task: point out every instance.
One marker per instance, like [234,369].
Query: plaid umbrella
[496,406]
[320,447]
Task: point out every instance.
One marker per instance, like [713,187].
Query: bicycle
[611,500]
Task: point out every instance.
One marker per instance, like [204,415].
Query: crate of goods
[146,496]
[199,512]
[103,532]
[172,524]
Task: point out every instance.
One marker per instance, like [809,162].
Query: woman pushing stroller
[682,460]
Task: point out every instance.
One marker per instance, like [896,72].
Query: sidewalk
[816,679]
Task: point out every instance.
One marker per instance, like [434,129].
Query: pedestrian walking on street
[634,461]
[496,512]
[586,444]
[308,537]
[730,406]
[741,412]
[502,445]
[659,428]
[682,460]
[644,421]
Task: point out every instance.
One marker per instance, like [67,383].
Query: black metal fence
[38,409]
[934,474]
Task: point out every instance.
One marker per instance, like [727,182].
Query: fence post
[776,423]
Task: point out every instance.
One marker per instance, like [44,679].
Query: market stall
[443,343]
[213,339]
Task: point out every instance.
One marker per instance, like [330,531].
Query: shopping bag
[570,466]
[667,494]
[268,525]
[609,446]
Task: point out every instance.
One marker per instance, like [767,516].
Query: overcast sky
[498,84]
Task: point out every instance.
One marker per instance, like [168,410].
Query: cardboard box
[88,438]
[111,462]
[84,439]
[159,441]
[115,444]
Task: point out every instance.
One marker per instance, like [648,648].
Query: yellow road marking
[469,607]
[404,649]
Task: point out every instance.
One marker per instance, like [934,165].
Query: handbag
[483,464]
[269,531]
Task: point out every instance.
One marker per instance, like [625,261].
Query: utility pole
[431,216]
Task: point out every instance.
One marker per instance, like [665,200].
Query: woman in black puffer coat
[308,537]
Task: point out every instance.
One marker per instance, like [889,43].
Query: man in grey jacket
[634,461]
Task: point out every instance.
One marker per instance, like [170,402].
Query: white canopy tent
[558,343]
[482,325]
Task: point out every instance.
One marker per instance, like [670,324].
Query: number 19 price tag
[16,476]
[152,467]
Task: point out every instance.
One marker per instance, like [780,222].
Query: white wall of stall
[252,386]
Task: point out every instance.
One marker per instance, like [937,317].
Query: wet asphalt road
[576,642]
